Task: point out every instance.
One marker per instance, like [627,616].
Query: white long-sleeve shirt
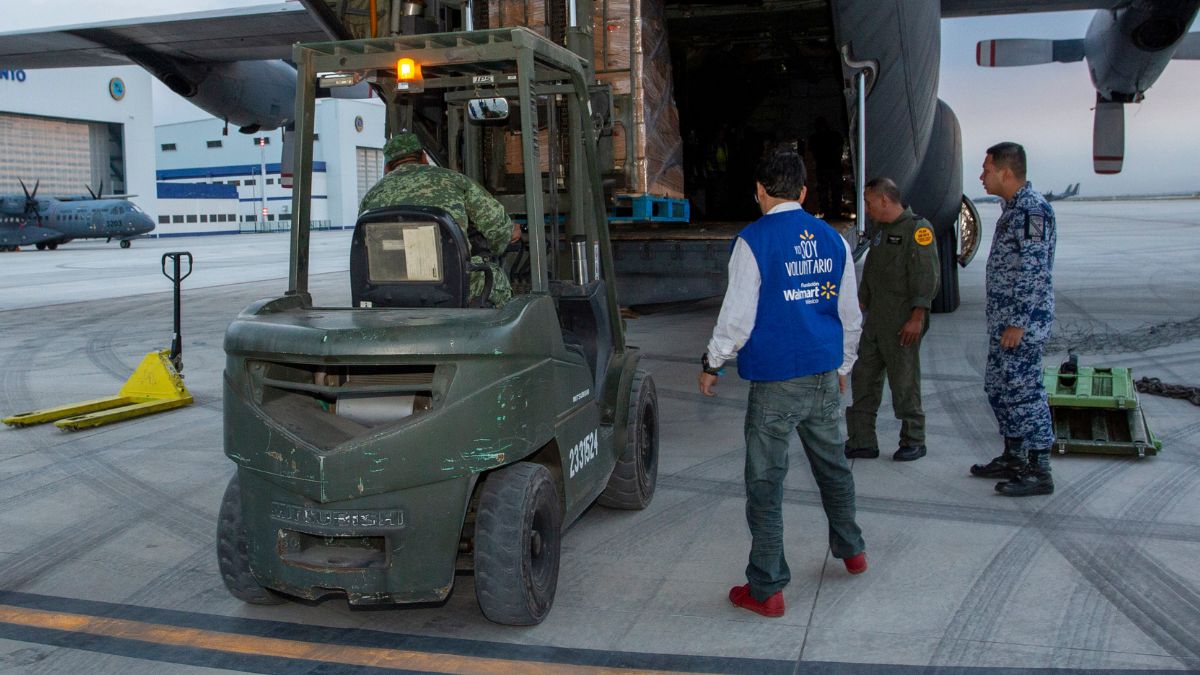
[738,310]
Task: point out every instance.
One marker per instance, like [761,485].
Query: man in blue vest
[791,316]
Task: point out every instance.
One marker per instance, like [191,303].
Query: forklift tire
[518,534]
[232,557]
[631,485]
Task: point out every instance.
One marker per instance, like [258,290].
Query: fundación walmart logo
[807,236]
[828,290]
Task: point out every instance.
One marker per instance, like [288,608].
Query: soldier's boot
[1004,467]
[1033,479]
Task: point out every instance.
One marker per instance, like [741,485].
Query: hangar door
[65,155]
[370,169]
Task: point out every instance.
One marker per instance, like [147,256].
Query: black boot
[1005,466]
[1033,479]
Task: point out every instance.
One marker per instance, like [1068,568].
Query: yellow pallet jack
[155,386]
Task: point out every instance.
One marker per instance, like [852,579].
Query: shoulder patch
[923,236]
[1035,225]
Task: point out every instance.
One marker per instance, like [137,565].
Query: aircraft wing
[959,8]
[262,32]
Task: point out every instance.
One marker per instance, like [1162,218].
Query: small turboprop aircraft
[46,222]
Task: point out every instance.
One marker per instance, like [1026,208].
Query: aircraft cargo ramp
[107,562]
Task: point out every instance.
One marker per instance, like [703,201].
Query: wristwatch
[707,368]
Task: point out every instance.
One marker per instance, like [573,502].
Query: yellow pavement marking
[288,649]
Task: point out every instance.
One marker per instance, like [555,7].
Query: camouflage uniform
[1020,293]
[482,218]
[901,272]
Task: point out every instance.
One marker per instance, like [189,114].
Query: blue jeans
[808,405]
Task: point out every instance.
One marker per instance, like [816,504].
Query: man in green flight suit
[898,283]
[412,180]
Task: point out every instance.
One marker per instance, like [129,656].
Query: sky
[1046,108]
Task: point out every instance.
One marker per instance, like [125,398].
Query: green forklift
[385,445]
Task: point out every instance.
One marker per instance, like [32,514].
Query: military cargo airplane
[231,64]
[1071,191]
[1128,45]
[46,222]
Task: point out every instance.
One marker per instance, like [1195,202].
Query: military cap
[401,144]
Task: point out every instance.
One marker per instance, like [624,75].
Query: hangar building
[72,128]
[347,160]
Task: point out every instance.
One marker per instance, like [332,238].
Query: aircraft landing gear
[41,246]
[125,243]
[53,246]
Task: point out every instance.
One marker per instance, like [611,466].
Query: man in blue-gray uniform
[1020,311]
[791,316]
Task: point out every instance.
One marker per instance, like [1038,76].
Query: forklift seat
[411,256]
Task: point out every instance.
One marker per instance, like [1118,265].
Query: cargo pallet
[1096,411]
[649,209]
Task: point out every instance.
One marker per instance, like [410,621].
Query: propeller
[1108,136]
[1026,52]
[98,194]
[31,203]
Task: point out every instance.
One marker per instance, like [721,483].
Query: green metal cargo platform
[1096,411]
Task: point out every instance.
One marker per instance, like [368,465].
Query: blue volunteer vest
[797,330]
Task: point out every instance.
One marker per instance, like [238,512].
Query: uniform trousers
[1013,383]
[807,405]
[880,354]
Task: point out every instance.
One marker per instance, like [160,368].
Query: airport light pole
[262,166]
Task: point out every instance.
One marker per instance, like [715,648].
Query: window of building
[204,217]
[270,181]
[163,220]
[285,216]
[214,144]
[233,218]
[191,218]
[249,219]
[168,147]
[316,137]
[176,219]
[235,182]
[249,181]
[271,217]
[220,218]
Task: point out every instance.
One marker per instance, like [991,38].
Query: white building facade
[347,160]
[73,128]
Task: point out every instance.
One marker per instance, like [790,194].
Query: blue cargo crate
[649,209]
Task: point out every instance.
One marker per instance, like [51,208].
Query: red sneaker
[740,596]
[856,564]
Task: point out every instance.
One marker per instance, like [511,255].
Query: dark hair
[781,173]
[882,185]
[1009,155]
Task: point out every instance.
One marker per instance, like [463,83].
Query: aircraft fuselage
[62,221]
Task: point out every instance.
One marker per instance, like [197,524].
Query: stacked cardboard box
[632,56]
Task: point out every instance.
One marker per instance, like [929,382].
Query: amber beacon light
[408,75]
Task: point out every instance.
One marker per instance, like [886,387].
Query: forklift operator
[412,180]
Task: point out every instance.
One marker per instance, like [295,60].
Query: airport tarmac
[107,560]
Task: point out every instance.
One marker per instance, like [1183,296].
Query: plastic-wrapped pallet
[632,56]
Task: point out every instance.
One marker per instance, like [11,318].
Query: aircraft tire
[53,246]
[233,558]
[518,534]
[631,485]
[125,243]
[947,298]
[41,245]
